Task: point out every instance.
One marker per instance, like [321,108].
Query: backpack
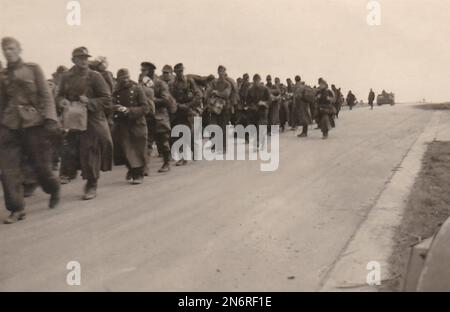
[309,95]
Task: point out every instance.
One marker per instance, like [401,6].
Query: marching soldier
[274,107]
[371,98]
[302,100]
[243,118]
[339,101]
[90,150]
[325,99]
[258,99]
[164,104]
[188,99]
[351,99]
[27,123]
[130,128]
[220,92]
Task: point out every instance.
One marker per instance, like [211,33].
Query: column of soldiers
[125,118]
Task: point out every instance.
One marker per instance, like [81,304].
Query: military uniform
[325,110]
[90,150]
[258,114]
[274,107]
[27,121]
[130,129]
[188,99]
[223,90]
[371,98]
[242,116]
[159,124]
[302,108]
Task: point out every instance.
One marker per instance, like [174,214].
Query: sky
[408,53]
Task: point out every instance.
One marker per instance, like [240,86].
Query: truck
[385,98]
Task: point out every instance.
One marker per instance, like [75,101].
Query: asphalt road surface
[216,226]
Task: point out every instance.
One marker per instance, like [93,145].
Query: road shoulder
[373,242]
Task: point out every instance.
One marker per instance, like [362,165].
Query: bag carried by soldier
[309,95]
[74,116]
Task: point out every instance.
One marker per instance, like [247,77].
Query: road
[216,226]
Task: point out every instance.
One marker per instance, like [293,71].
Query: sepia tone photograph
[209,146]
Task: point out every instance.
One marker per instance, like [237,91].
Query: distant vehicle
[386,98]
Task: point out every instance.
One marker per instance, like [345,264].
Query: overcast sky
[407,54]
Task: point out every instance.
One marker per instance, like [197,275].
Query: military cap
[178,67]
[221,68]
[167,69]
[81,51]
[148,65]
[123,72]
[298,78]
[256,76]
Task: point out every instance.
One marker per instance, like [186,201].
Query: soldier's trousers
[17,146]
[222,121]
[163,144]
[324,122]
[284,114]
[70,156]
[259,118]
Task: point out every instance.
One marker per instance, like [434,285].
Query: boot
[54,199]
[181,162]
[15,217]
[304,132]
[90,190]
[165,167]
[128,177]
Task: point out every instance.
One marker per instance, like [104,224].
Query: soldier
[219,94]
[130,128]
[54,83]
[202,83]
[274,107]
[351,99]
[290,102]
[258,99]
[338,97]
[284,107]
[325,107]
[27,123]
[90,150]
[188,99]
[302,100]
[164,104]
[234,100]
[371,98]
[294,111]
[243,118]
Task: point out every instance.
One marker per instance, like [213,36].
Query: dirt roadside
[428,205]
